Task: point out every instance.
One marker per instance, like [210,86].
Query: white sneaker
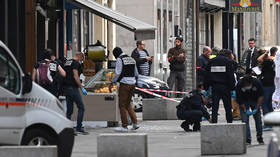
[135,126]
[121,129]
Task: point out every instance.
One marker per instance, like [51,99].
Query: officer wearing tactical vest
[221,78]
[126,73]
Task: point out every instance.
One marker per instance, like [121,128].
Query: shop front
[102,99]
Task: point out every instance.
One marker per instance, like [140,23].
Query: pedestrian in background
[126,73]
[202,62]
[215,51]
[276,94]
[221,78]
[250,56]
[249,94]
[45,72]
[267,78]
[57,77]
[71,85]
[177,58]
[142,58]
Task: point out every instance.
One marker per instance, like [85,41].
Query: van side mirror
[27,83]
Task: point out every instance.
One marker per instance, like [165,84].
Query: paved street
[165,139]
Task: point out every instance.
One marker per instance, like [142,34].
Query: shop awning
[212,5]
[141,29]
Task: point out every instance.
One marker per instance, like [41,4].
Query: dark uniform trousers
[219,92]
[125,94]
[192,117]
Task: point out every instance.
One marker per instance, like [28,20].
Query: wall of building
[143,10]
[99,26]
[12,28]
[269,23]
[218,36]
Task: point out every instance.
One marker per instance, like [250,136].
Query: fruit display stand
[102,102]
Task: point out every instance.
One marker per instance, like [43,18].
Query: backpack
[44,74]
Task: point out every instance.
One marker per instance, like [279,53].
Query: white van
[29,114]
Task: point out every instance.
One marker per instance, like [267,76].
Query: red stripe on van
[12,103]
[16,103]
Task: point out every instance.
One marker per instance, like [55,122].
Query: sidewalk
[166,139]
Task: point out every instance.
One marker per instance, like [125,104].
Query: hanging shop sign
[245,5]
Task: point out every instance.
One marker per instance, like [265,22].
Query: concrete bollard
[223,139]
[122,145]
[159,109]
[28,151]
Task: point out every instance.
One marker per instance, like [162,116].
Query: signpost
[245,5]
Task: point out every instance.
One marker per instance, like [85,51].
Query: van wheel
[38,137]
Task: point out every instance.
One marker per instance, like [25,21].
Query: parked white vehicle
[29,114]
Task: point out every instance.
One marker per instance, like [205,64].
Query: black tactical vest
[128,64]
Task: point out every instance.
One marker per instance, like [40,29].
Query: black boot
[260,140]
[185,126]
[196,126]
[248,142]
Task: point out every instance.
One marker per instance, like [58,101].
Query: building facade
[166,16]
[29,26]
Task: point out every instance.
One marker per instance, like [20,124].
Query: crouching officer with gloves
[249,94]
[221,78]
[191,109]
[126,73]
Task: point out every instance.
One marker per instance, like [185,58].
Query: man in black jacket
[202,61]
[221,78]
[142,58]
[250,56]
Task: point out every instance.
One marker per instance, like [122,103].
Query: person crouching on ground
[191,109]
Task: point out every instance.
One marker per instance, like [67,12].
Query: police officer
[71,86]
[250,95]
[221,78]
[55,69]
[126,73]
[191,109]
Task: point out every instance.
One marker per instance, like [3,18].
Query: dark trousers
[267,102]
[51,88]
[221,92]
[257,118]
[192,117]
[73,95]
[125,94]
[179,78]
